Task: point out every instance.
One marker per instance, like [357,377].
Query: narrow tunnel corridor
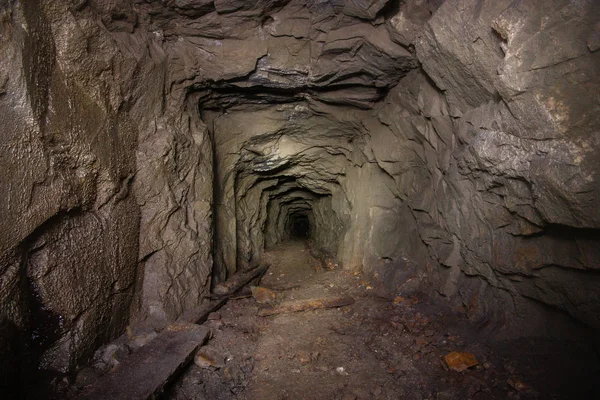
[299,226]
[299,199]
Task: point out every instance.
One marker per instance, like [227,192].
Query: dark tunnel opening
[299,227]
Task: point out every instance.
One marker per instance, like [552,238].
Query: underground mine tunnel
[307,199]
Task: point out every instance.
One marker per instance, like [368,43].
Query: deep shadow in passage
[299,227]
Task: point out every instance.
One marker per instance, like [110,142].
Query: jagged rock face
[106,186]
[530,152]
[69,229]
[444,147]
[474,177]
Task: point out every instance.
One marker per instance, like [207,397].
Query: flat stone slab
[148,370]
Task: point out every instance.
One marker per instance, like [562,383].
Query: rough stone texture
[518,198]
[69,224]
[303,50]
[269,169]
[174,190]
[474,177]
[79,88]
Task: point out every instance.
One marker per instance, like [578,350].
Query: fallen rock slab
[146,372]
[305,305]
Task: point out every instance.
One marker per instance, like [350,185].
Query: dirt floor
[374,348]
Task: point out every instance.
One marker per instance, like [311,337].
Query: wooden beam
[222,292]
[238,280]
[146,372]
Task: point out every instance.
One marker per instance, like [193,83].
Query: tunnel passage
[299,226]
[150,143]
[283,177]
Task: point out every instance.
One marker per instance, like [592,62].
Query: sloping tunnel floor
[375,348]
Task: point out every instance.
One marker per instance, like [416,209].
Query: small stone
[263,295]
[341,371]
[412,301]
[315,355]
[517,384]
[214,316]
[204,361]
[376,391]
[460,361]
[227,375]
[303,357]
[215,324]
[207,357]
[349,396]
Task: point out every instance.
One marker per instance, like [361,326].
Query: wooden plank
[146,372]
[223,292]
[199,315]
[239,280]
[306,305]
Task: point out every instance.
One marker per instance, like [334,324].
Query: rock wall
[270,164]
[461,160]
[69,223]
[517,199]
[106,186]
